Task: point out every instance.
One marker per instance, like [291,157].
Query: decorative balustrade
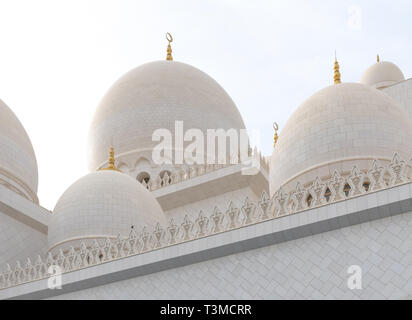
[282,203]
[187,173]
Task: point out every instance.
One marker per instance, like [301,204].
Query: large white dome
[382,74]
[100,205]
[18,165]
[338,127]
[153,96]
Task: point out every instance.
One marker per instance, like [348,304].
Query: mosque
[327,216]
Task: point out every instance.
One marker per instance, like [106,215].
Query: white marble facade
[314,267]
[336,192]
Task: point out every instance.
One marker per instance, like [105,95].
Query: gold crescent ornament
[169,38]
[275,137]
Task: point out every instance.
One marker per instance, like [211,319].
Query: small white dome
[18,165]
[382,74]
[100,205]
[152,96]
[338,127]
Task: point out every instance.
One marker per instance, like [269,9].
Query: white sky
[58,58]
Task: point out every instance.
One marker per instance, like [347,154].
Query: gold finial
[336,75]
[275,137]
[378,59]
[111,165]
[169,48]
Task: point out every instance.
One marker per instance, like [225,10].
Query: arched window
[309,199]
[346,189]
[328,194]
[366,185]
[143,176]
[162,174]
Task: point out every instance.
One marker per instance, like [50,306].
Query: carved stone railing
[189,172]
[282,203]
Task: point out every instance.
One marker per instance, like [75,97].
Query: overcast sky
[58,58]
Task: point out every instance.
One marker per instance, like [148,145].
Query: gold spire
[111,165]
[378,59]
[169,48]
[336,75]
[275,137]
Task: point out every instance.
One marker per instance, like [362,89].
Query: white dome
[18,165]
[100,205]
[382,74]
[151,97]
[338,127]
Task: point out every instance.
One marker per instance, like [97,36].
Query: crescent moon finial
[169,38]
[336,74]
[275,137]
